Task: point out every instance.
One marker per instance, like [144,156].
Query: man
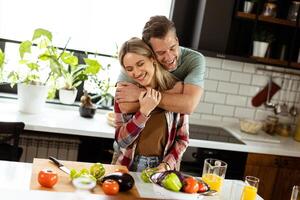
[187,65]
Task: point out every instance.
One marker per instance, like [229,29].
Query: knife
[59,165]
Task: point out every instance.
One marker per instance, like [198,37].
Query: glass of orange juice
[250,188]
[213,174]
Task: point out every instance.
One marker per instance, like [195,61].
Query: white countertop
[15,184]
[66,120]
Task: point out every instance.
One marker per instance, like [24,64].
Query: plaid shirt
[129,127]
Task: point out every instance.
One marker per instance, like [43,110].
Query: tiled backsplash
[231,85]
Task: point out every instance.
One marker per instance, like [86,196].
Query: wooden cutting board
[64,183]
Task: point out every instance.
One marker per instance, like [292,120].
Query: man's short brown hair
[157,27]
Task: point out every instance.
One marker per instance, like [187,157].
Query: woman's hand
[163,167]
[149,100]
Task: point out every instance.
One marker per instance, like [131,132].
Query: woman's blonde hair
[164,79]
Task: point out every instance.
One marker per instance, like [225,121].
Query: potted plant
[2,59]
[262,40]
[106,89]
[73,74]
[36,72]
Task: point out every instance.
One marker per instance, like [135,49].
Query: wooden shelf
[295,65]
[270,61]
[262,18]
[246,15]
[275,20]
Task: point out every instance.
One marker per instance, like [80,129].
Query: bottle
[297,131]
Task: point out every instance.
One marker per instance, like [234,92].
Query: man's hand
[149,100]
[186,102]
[127,92]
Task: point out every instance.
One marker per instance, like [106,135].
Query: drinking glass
[296,193]
[213,174]
[250,188]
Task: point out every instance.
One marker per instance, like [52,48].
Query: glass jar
[270,10]
[270,124]
[293,10]
[297,131]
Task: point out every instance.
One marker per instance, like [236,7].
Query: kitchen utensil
[266,94]
[277,108]
[268,102]
[293,109]
[59,165]
[284,106]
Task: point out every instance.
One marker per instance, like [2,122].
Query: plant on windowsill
[106,89]
[36,74]
[72,74]
[261,42]
[2,59]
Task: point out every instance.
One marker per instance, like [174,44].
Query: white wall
[230,87]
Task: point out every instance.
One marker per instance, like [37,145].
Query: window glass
[92,25]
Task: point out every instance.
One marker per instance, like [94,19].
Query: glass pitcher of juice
[213,174]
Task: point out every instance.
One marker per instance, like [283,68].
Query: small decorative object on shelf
[248,6]
[87,109]
[270,9]
[262,40]
[293,10]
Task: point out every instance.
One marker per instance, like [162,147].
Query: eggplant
[125,180]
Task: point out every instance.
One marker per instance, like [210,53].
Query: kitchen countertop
[16,176]
[64,119]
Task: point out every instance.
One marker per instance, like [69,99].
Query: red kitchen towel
[262,96]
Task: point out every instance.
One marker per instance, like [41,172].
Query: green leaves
[69,58]
[2,58]
[42,32]
[92,66]
[25,47]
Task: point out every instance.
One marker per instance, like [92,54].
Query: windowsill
[52,101]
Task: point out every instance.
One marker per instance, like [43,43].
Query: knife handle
[55,161]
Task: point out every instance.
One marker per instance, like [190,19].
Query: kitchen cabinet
[225,30]
[93,149]
[277,174]
[283,50]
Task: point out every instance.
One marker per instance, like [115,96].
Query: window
[94,26]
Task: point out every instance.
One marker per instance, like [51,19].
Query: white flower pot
[67,96]
[31,98]
[260,48]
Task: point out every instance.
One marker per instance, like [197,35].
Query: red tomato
[47,178]
[202,187]
[110,187]
[190,185]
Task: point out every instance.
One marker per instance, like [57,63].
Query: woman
[151,137]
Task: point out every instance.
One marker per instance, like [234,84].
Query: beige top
[153,138]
